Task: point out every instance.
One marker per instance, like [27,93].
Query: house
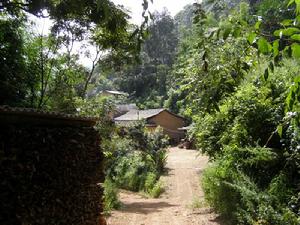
[170,122]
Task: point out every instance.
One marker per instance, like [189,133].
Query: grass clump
[198,203]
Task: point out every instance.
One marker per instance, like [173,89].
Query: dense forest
[230,66]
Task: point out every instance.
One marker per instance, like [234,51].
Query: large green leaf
[252,38]
[296,37]
[291,2]
[237,32]
[297,6]
[287,22]
[264,46]
[257,25]
[296,50]
[276,48]
[287,32]
[266,74]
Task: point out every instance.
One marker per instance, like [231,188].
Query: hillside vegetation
[238,75]
[230,67]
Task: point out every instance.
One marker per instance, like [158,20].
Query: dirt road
[177,205]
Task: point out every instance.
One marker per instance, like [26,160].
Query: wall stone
[50,174]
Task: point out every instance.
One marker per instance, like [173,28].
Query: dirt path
[174,207]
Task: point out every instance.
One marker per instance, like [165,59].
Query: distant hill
[185,17]
[220,8]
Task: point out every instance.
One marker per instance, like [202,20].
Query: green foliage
[237,195]
[35,73]
[103,22]
[157,190]
[150,182]
[249,116]
[247,180]
[208,69]
[110,196]
[136,159]
[96,106]
[43,71]
[243,96]
[153,187]
[131,172]
[220,8]
[147,82]
[228,71]
[12,64]
[156,146]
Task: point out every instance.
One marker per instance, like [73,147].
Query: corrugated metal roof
[115,92]
[134,115]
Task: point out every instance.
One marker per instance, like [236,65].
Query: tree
[107,23]
[220,8]
[161,45]
[147,81]
[41,70]
[13,87]
[242,93]
[184,21]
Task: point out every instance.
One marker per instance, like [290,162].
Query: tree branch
[94,63]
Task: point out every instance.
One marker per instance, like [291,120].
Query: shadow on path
[145,207]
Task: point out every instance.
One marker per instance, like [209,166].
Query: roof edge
[163,110]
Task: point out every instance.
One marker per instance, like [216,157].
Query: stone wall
[50,171]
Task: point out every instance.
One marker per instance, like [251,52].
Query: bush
[248,118]
[135,159]
[156,146]
[241,200]
[131,172]
[111,198]
[254,178]
[150,182]
[157,190]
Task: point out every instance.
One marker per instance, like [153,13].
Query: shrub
[245,188]
[208,131]
[247,118]
[156,148]
[111,198]
[254,178]
[131,172]
[136,159]
[150,182]
[157,190]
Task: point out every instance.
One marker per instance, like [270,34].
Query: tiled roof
[134,115]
